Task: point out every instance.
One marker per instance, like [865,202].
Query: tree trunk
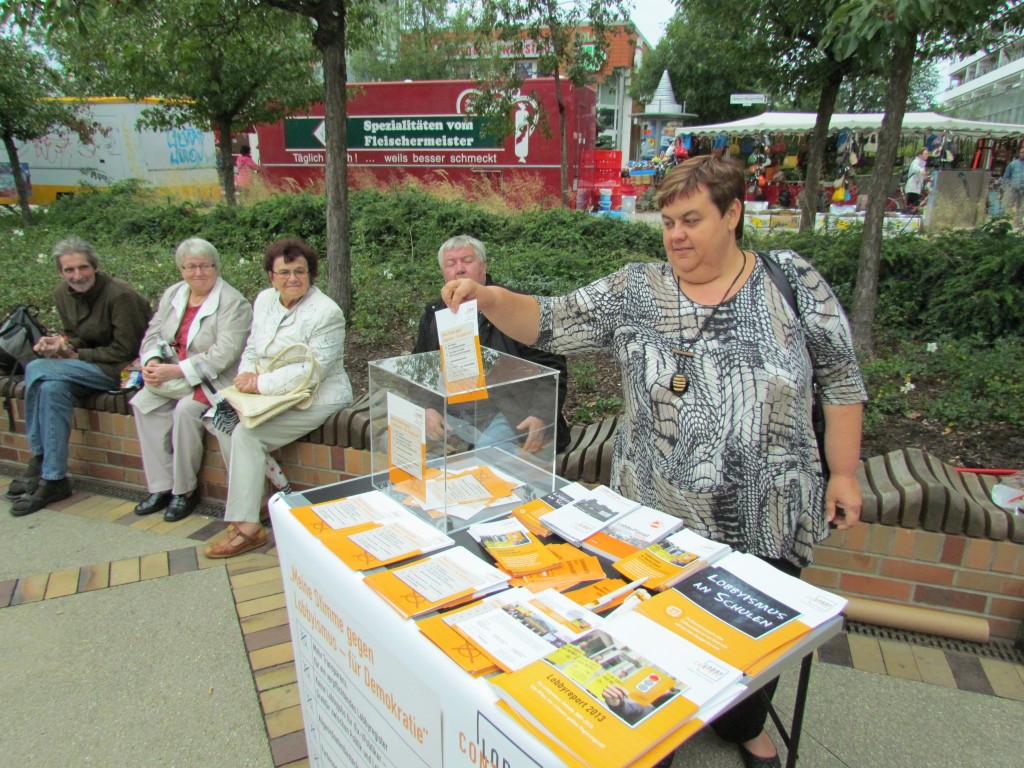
[227,161]
[329,38]
[865,292]
[816,151]
[19,178]
[563,136]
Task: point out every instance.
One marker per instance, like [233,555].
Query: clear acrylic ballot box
[462,452]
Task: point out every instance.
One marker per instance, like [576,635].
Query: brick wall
[105,446]
[957,574]
[968,576]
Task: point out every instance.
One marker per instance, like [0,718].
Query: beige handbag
[254,409]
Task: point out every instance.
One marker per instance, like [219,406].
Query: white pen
[615,593]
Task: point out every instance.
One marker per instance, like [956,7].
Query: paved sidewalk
[124,646]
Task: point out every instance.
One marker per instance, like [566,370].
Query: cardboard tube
[913,619]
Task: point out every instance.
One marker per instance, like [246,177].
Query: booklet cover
[638,529]
[343,514]
[513,547]
[666,562]
[529,513]
[519,626]
[586,516]
[720,609]
[613,694]
[363,548]
[448,578]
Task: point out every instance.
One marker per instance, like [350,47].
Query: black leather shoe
[181,507]
[750,760]
[153,503]
[27,483]
[48,492]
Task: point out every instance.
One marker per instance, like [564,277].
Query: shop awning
[802,122]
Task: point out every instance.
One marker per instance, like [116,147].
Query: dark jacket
[106,323]
[426,341]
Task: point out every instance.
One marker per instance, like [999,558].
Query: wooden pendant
[680,383]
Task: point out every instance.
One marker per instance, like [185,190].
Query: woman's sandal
[250,541]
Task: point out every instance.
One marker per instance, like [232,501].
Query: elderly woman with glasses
[198,330]
[292,311]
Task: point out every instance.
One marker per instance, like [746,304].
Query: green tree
[336,23]
[900,32]
[414,40]
[562,53]
[223,64]
[708,58]
[29,109]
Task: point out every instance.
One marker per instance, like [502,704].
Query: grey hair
[196,246]
[73,244]
[461,241]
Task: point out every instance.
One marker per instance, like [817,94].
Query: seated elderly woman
[292,311]
[198,330]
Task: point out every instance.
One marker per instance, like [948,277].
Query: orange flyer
[443,580]
[440,631]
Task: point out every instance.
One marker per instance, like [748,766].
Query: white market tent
[801,122]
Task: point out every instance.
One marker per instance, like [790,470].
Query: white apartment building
[987,86]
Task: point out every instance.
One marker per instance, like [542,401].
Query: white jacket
[315,320]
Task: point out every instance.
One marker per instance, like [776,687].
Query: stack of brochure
[638,529]
[585,516]
[446,579]
[529,514]
[666,562]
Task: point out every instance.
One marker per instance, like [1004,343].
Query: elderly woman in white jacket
[201,322]
[292,311]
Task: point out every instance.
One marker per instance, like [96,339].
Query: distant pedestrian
[1013,183]
[917,177]
[246,169]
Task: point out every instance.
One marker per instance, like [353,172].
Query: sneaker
[27,483]
[48,492]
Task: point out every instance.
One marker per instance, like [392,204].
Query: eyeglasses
[196,267]
[286,273]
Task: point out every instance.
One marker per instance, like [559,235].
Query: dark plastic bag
[19,333]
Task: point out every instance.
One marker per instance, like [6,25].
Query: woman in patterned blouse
[716,376]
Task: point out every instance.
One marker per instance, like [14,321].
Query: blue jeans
[50,389]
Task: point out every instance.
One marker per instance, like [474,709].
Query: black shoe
[47,493]
[750,760]
[181,507]
[27,483]
[153,503]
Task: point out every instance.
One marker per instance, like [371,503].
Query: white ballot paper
[408,536]
[407,436]
[459,336]
[452,572]
[369,507]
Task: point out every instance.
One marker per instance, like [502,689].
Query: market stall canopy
[802,122]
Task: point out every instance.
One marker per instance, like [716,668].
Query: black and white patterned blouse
[734,455]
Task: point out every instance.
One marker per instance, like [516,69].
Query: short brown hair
[290,249]
[723,179]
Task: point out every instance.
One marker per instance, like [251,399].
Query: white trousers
[171,439]
[245,452]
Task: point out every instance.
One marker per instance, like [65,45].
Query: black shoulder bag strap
[774,271]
